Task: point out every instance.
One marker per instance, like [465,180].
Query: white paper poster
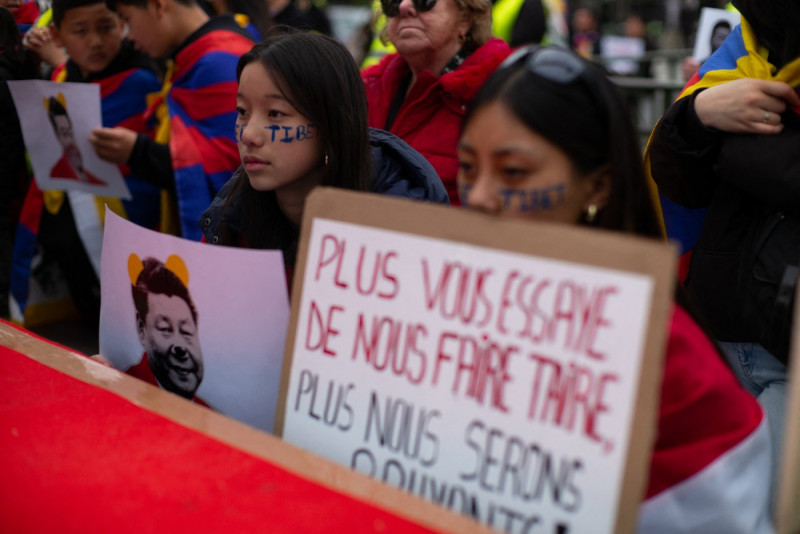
[205,322]
[57,119]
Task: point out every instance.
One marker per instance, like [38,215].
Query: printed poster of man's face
[206,323]
[56,120]
[167,324]
[713,28]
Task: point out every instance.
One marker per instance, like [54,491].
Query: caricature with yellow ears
[70,165]
[166,323]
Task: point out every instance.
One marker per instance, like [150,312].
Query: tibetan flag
[199,96]
[711,463]
[740,56]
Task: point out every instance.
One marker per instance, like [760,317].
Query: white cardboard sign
[500,384]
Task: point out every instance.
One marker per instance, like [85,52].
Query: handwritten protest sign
[210,324]
[56,120]
[495,367]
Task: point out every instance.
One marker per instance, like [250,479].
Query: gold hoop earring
[591,213]
[326,159]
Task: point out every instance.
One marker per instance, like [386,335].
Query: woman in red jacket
[445,51]
[548,138]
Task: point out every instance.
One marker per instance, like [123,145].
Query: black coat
[743,267]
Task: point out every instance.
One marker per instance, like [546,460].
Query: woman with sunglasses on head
[445,52]
[548,138]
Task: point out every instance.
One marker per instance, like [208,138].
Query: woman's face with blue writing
[279,147]
[506,168]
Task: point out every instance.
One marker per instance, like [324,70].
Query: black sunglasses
[559,65]
[392,7]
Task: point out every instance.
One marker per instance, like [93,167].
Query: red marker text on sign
[318,338]
[566,395]
[566,313]
[482,364]
[458,292]
[387,342]
[372,268]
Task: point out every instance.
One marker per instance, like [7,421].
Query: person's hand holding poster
[207,323]
[499,376]
[56,120]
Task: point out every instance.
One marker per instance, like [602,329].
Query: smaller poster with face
[56,120]
[714,27]
[207,323]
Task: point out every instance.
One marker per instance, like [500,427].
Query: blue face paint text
[529,200]
[282,134]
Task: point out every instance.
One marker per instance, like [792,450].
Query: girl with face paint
[301,123]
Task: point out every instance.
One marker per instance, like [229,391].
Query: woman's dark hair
[775,23]
[10,40]
[588,119]
[320,79]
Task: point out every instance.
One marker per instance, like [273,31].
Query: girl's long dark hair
[320,79]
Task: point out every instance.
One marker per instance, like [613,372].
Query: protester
[92,35]
[303,15]
[585,32]
[445,52]
[252,15]
[15,64]
[520,137]
[520,22]
[194,152]
[295,133]
[729,144]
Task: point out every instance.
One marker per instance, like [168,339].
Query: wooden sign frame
[571,244]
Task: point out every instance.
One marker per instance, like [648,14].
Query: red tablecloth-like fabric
[77,458]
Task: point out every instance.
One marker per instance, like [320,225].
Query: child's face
[92,36]
[506,168]
[145,28]
[279,147]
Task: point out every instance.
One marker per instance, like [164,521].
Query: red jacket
[430,117]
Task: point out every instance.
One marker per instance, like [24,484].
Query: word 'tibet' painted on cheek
[280,134]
